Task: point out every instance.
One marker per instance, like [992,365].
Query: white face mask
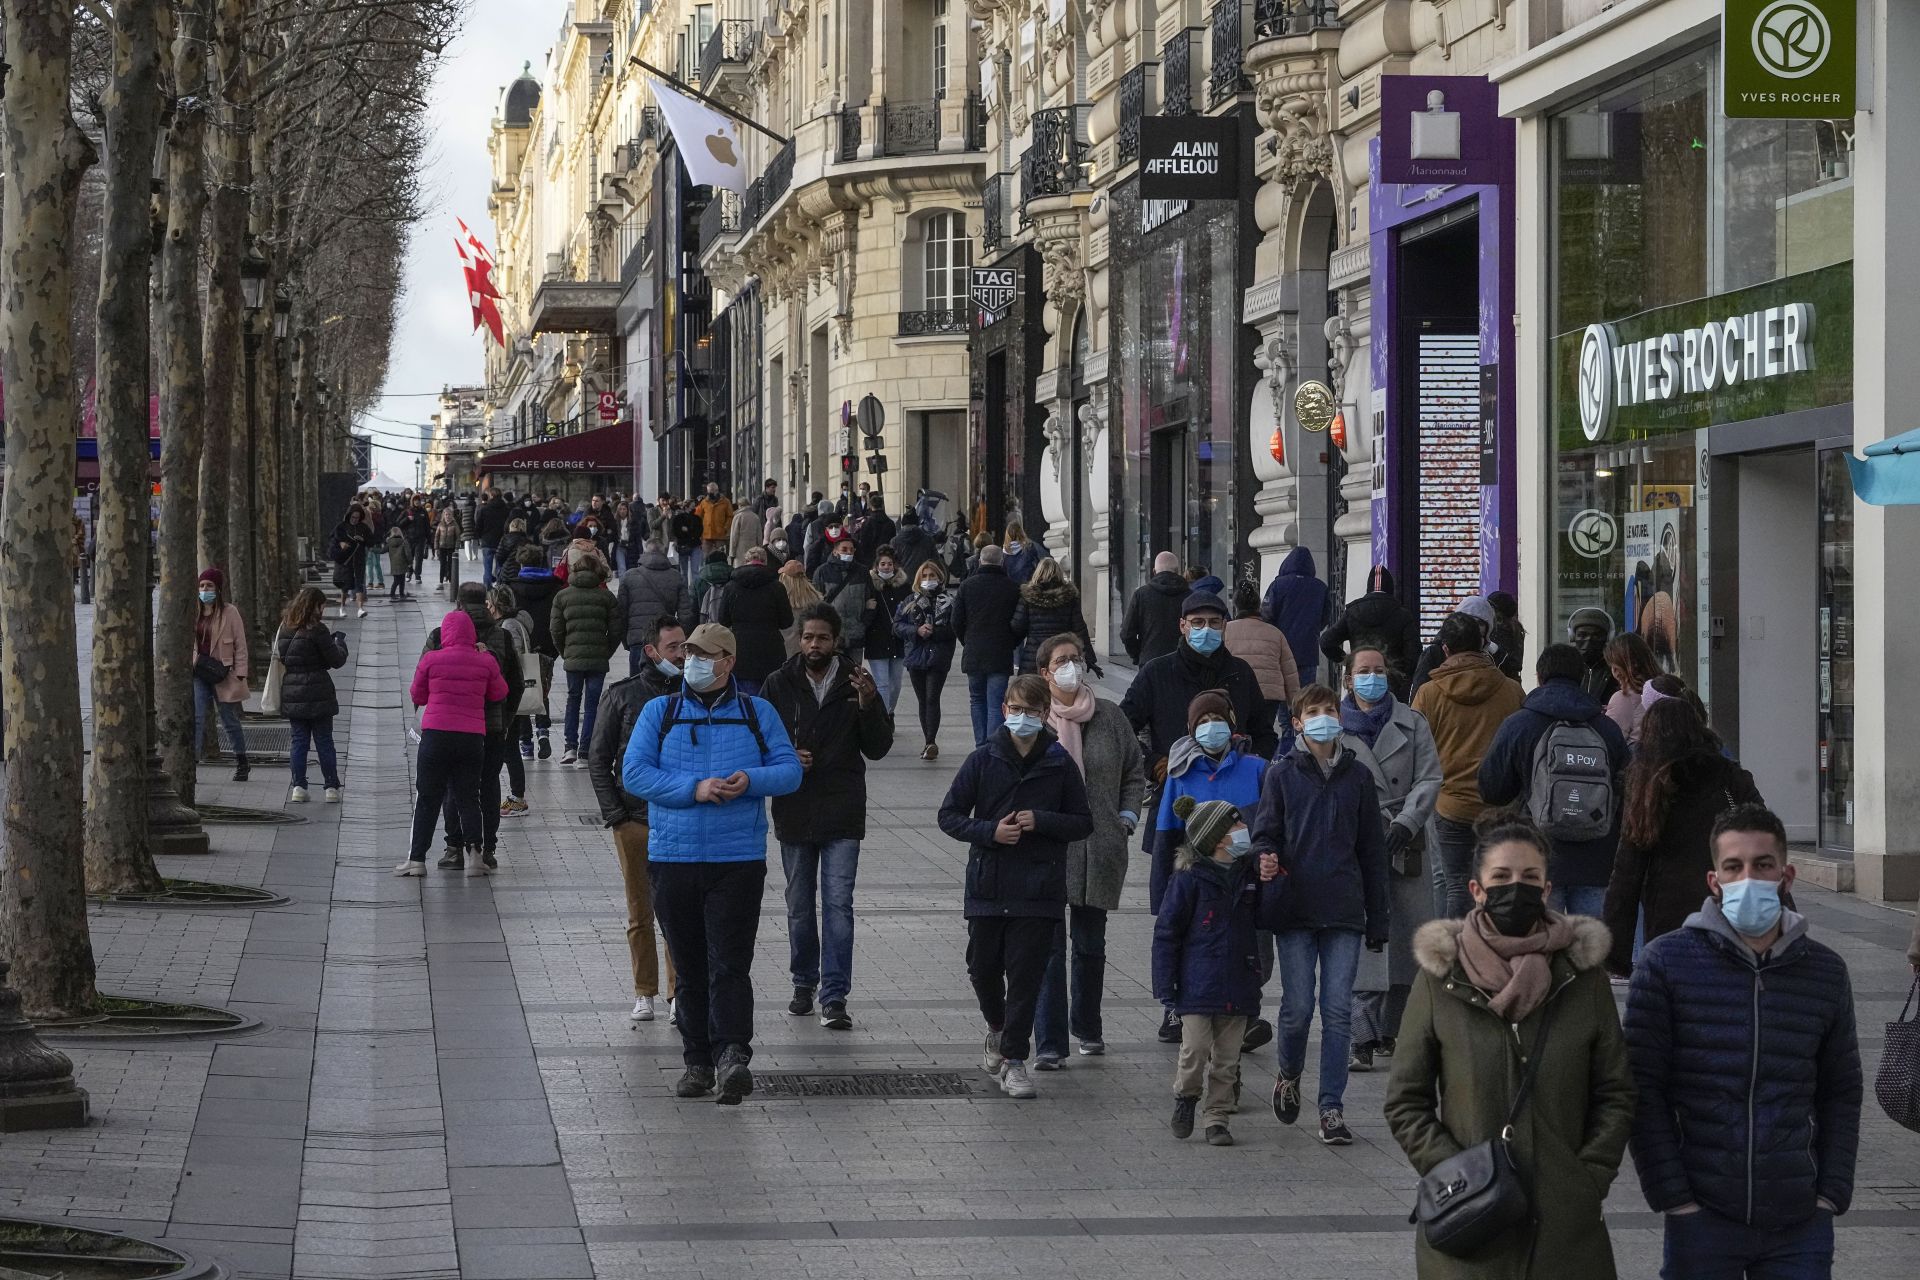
[1068,676]
[929,584]
[846,557]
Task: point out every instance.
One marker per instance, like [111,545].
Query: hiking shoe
[990,1060]
[1286,1098]
[1092,1048]
[411,868]
[1183,1109]
[545,747]
[477,865]
[802,1003]
[1333,1128]
[1259,1032]
[451,860]
[642,1010]
[1015,1081]
[694,1082]
[1217,1136]
[297,796]
[833,1016]
[735,1079]
[241,769]
[1047,1062]
[569,756]
[1170,1028]
[331,795]
[1360,1058]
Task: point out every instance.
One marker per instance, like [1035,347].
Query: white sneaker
[363,611]
[476,865]
[642,1010]
[569,756]
[1015,1081]
[297,796]
[332,795]
[673,1008]
[990,1059]
[410,868]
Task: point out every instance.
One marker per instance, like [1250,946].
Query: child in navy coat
[1206,963]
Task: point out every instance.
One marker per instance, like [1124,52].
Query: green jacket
[587,623]
[1459,1060]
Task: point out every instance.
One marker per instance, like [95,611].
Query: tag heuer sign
[1788,59]
[994,289]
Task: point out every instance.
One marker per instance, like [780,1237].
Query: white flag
[709,142]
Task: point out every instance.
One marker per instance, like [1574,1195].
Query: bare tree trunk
[226,245]
[119,858]
[43,903]
[183,404]
[266,500]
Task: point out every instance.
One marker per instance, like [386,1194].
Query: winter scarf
[1366,725]
[1515,972]
[1065,720]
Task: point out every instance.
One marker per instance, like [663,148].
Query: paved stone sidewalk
[448,1085]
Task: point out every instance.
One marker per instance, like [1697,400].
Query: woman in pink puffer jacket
[452,685]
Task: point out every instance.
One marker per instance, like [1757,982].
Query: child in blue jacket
[1206,964]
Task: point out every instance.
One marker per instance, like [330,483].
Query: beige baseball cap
[711,637]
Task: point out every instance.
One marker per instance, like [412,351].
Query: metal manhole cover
[864,1084]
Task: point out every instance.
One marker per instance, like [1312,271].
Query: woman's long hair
[933,567]
[1671,735]
[1628,654]
[308,606]
[800,592]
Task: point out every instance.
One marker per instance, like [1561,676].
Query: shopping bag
[276,674]
[1898,1084]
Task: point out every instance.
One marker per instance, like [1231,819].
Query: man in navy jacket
[1740,1032]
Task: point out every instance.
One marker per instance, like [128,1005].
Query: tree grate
[863,1084]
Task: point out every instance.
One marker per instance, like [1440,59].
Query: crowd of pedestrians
[1338,818]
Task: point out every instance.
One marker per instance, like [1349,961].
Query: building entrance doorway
[1170,492]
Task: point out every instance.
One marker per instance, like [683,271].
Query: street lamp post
[244,547]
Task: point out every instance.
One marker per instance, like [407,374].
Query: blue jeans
[1452,867]
[320,732]
[1706,1246]
[888,675]
[229,717]
[375,575]
[486,566]
[1580,900]
[831,866]
[1079,1010]
[690,562]
[582,685]
[986,693]
[1336,953]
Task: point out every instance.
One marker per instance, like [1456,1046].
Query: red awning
[602,449]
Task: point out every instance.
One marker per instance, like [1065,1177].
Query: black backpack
[750,717]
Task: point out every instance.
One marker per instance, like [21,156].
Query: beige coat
[230,646]
[1264,647]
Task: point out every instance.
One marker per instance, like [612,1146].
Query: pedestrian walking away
[452,685]
[471,846]
[757,609]
[1018,803]
[219,667]
[1740,1031]
[665,648]
[705,759]
[534,589]
[837,721]
[1511,1038]
[1631,662]
[1475,607]
[1204,963]
[309,653]
[650,590]
[1264,647]
[1378,620]
[586,625]
[982,616]
[504,609]
[1103,746]
[1049,606]
[1151,627]
[1296,602]
[1319,813]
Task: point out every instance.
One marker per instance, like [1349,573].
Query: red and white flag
[481,292]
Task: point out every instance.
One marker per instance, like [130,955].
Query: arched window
[946,256]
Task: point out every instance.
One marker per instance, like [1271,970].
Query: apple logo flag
[709,143]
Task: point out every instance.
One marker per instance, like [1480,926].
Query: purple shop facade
[1394,206]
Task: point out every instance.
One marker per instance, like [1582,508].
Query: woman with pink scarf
[1096,734]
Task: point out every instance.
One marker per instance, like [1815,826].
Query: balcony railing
[766,191]
[1176,75]
[1275,18]
[1133,105]
[993,212]
[720,218]
[1056,162]
[731,41]
[976,123]
[909,128]
[850,135]
[921,324]
[1229,76]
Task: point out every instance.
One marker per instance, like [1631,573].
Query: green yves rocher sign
[1788,59]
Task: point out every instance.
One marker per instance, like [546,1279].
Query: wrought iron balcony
[1176,75]
[1273,19]
[1229,76]
[976,123]
[909,128]
[1056,162]
[850,136]
[922,324]
[731,42]
[766,191]
[993,212]
[721,218]
[1133,105]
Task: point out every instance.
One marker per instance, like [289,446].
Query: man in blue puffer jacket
[703,759]
[1740,1032]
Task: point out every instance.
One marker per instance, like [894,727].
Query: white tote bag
[276,675]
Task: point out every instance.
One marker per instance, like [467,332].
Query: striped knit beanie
[1207,822]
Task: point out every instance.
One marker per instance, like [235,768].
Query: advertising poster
[1657,589]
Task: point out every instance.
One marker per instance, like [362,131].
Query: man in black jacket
[1156,702]
[1377,620]
[490,522]
[1152,625]
[913,544]
[665,647]
[837,722]
[983,609]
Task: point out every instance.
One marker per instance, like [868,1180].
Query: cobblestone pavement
[447,1084]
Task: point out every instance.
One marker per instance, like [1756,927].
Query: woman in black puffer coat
[1049,605]
[308,651]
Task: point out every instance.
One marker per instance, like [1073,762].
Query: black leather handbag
[208,669]
[1467,1200]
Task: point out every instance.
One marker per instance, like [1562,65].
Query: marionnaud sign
[1440,129]
[1189,158]
[1788,59]
[1769,343]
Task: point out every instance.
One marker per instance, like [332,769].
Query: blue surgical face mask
[1239,839]
[1370,687]
[1204,639]
[671,670]
[1213,736]
[1751,906]
[209,596]
[1022,725]
[699,672]
[1321,728]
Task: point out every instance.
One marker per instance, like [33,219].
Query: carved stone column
[1059,237]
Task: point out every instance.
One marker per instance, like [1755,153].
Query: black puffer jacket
[1045,612]
[913,547]
[306,691]
[1028,878]
[1156,701]
[1380,621]
[883,603]
[620,708]
[756,608]
[983,608]
[533,590]
[831,803]
[1152,625]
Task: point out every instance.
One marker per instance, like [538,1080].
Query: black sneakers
[694,1082]
[1183,1116]
[1333,1128]
[802,1003]
[1170,1028]
[1259,1032]
[834,1017]
[1360,1058]
[452,860]
[1286,1098]
[735,1078]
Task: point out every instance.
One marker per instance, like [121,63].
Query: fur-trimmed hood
[1057,595]
[1436,944]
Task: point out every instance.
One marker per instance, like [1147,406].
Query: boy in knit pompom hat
[1206,964]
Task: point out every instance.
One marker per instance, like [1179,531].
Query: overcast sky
[435,344]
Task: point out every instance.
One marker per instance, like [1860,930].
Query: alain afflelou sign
[1189,158]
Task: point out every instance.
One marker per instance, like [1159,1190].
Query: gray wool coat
[1406,770]
[1116,783]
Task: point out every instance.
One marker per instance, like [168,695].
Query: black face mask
[1516,908]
